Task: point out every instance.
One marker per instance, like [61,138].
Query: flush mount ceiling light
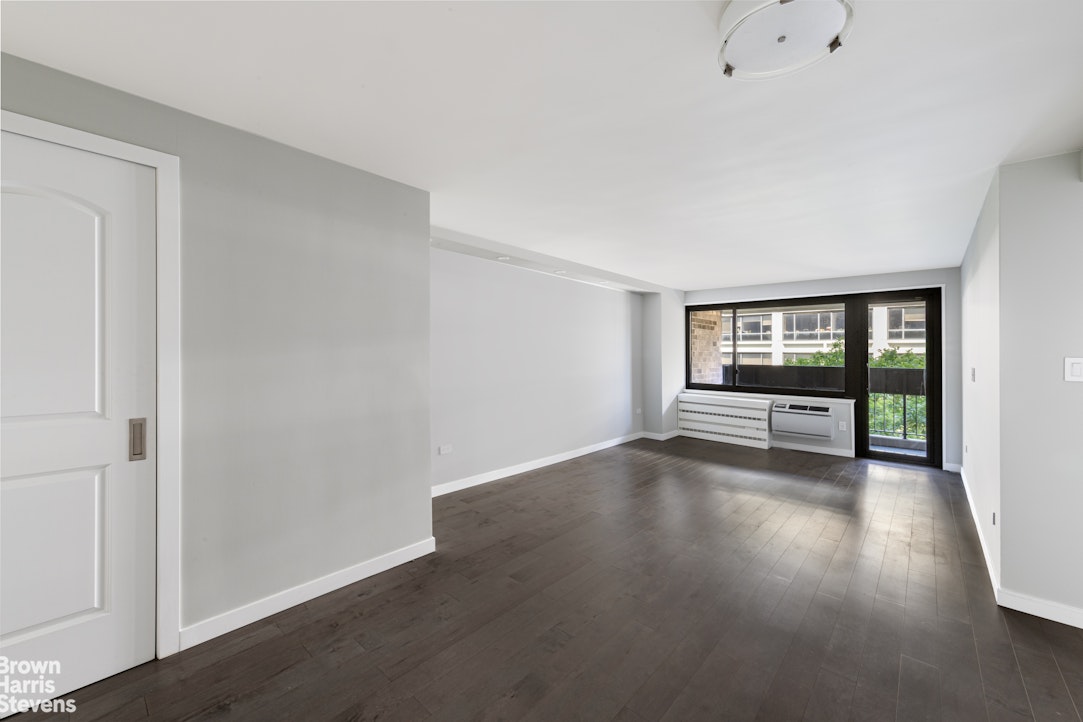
[768,38]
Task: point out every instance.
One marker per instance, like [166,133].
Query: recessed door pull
[137,439]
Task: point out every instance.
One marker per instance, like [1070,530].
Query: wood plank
[919,691]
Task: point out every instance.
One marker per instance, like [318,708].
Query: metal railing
[897,404]
[897,416]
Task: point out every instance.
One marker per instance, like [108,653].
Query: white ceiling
[605,134]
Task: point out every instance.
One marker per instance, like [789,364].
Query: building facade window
[814,325]
[753,327]
[907,322]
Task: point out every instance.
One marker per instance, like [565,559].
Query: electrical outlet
[444,449]
[842,426]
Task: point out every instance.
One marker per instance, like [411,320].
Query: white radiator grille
[720,418]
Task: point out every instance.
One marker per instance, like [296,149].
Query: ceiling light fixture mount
[770,38]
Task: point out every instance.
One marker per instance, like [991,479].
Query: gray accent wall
[1022,421]
[1041,414]
[663,361]
[304,350]
[527,365]
[981,375]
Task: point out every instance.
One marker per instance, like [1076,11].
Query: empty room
[661,360]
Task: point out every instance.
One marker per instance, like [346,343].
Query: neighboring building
[767,337]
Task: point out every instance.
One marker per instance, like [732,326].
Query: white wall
[304,353]
[948,278]
[980,274]
[1041,258]
[526,366]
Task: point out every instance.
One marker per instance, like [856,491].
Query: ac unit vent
[803,420]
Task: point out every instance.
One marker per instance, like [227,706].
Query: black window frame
[752,305]
[856,374]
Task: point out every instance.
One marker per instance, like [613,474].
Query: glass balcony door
[902,370]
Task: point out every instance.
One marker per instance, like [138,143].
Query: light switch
[1073,369]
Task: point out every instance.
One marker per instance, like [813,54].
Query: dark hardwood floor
[684,580]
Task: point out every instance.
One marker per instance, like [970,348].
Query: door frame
[167,283]
[933,298]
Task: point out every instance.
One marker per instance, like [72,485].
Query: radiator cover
[728,419]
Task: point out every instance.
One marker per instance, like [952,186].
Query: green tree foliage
[835,355]
[891,359]
[886,414]
[889,416]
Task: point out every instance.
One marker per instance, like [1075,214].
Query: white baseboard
[660,437]
[236,618]
[1018,601]
[981,536]
[954,468]
[486,477]
[1072,616]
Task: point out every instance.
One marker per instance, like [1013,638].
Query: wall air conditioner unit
[806,420]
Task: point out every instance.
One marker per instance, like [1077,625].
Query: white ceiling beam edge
[456,242]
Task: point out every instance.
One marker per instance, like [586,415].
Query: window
[814,325]
[906,323]
[754,359]
[890,364]
[808,354]
[753,327]
[710,347]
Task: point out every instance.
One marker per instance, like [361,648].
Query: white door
[77,361]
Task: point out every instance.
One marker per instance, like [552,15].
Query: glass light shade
[769,39]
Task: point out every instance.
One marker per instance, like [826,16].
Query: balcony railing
[897,406]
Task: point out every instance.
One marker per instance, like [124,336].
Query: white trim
[167,173]
[981,538]
[1044,608]
[253,612]
[954,468]
[486,477]
[660,437]
[169,407]
[812,294]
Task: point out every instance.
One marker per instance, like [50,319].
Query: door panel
[52,344]
[62,576]
[77,361]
